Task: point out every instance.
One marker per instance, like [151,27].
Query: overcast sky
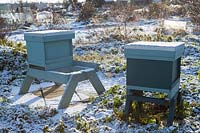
[16,1]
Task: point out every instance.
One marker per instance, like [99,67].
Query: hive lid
[154,50]
[49,35]
[163,46]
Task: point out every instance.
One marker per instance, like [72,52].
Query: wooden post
[69,91]
[93,78]
[26,84]
[170,118]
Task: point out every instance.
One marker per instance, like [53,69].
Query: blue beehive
[49,49]
[50,57]
[153,64]
[153,67]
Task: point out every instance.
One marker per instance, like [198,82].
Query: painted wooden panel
[58,49]
[149,73]
[150,54]
[36,53]
[176,69]
[168,51]
[49,35]
[48,75]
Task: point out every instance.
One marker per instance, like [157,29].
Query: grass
[17,47]
[151,113]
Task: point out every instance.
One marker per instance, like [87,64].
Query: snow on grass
[31,113]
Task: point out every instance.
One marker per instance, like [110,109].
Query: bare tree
[124,14]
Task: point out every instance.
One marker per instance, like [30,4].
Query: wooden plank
[36,55]
[150,54]
[148,99]
[49,35]
[129,87]
[128,107]
[58,77]
[93,78]
[149,73]
[69,91]
[26,84]
[174,90]
[36,67]
[171,114]
[85,64]
[82,77]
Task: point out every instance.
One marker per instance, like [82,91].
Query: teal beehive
[49,49]
[153,64]
[50,57]
[153,67]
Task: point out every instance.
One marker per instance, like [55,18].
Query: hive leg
[93,78]
[68,93]
[58,84]
[26,84]
[179,99]
[128,104]
[138,105]
[172,106]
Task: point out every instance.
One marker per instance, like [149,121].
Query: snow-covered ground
[89,112]
[84,91]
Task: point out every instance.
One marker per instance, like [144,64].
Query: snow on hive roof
[166,46]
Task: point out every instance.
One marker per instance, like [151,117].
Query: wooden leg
[179,99]
[58,84]
[180,107]
[128,107]
[69,91]
[96,82]
[138,105]
[26,84]
[172,106]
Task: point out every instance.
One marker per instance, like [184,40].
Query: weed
[117,101]
[60,128]
[87,11]
[83,125]
[46,129]
[17,47]
[117,69]
[158,10]
[3,100]
[107,119]
[198,75]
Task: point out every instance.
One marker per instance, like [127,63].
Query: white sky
[16,1]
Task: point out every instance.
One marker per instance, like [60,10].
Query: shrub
[98,3]
[87,11]
[141,2]
[158,10]
[2,28]
[57,19]
[66,3]
[123,13]
[194,10]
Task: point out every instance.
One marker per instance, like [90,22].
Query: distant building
[44,17]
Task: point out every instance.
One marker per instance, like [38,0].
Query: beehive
[49,49]
[153,64]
